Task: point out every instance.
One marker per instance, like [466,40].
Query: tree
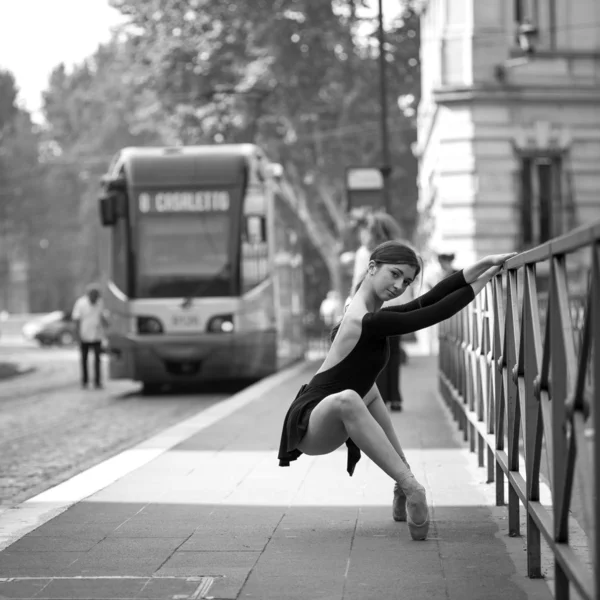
[91,113]
[20,194]
[295,75]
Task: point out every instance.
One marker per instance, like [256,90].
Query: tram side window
[255,255]
[119,255]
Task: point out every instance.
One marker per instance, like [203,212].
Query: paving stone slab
[35,564]
[215,564]
[488,586]
[92,588]
[22,588]
[229,569]
[124,556]
[194,513]
[228,541]
[162,588]
[149,527]
[88,512]
[86,531]
[53,544]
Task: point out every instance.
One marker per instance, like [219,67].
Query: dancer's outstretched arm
[386,322]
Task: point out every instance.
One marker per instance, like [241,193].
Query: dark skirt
[295,426]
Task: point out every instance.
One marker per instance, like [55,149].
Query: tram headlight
[220,324]
[149,326]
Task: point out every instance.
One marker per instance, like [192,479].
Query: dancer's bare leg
[378,409]
[344,415]
[381,414]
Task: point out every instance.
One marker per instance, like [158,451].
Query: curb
[19,520]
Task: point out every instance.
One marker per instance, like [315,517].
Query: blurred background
[482,118]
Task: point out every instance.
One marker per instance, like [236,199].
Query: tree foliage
[19,191]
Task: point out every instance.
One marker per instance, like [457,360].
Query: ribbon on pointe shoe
[418,532]
[399,504]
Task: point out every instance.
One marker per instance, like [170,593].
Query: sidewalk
[215,517]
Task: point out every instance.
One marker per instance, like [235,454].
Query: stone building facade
[508,140]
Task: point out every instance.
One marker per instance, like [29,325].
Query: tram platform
[204,511]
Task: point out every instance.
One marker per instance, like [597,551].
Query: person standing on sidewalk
[375,229]
[341,403]
[90,319]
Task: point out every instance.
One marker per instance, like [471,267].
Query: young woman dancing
[341,402]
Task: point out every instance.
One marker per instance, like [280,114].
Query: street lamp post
[386,168]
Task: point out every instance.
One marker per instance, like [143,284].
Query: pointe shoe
[399,504]
[417,501]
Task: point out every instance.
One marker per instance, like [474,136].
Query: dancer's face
[391,281]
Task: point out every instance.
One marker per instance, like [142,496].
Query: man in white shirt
[88,314]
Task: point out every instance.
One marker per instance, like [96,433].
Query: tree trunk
[327,245]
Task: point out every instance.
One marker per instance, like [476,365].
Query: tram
[202,263]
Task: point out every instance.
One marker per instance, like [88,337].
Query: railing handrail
[564,244]
[503,373]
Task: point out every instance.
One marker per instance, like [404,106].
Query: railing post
[512,336]
[531,348]
[562,365]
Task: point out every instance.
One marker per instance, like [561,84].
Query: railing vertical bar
[561,583]
[480,451]
[529,368]
[499,383]
[512,410]
[562,364]
[491,401]
[490,464]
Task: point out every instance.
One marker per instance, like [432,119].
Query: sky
[37,35]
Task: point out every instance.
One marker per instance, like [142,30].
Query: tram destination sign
[181,201]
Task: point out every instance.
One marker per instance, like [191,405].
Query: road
[50,429]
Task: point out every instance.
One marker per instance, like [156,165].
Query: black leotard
[359,369]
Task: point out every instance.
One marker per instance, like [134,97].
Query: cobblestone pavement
[50,429]
[46,369]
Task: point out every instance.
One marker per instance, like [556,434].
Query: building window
[542,14]
[453,65]
[547,207]
[455,40]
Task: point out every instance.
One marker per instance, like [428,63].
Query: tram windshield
[183,254]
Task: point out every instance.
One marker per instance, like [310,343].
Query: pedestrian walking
[341,403]
[375,229]
[90,318]
[446,260]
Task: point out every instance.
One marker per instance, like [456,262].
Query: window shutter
[568,195]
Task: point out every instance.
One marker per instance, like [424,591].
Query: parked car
[54,329]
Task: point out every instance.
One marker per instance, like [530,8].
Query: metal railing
[520,370]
